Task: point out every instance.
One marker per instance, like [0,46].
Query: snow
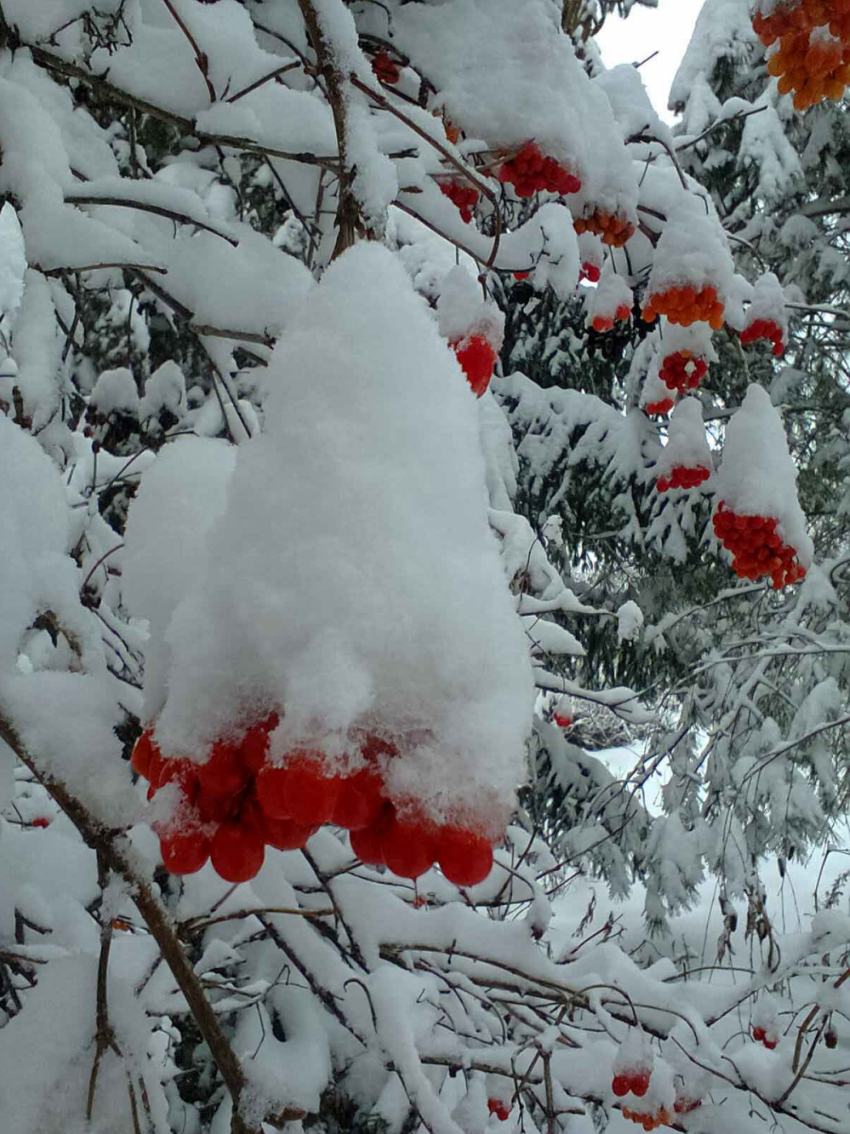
[320,508]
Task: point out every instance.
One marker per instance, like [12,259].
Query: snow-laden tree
[279,626]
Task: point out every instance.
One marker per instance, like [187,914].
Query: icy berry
[367,842]
[562,720]
[385,69]
[621,1085]
[407,845]
[359,800]
[41,821]
[465,857]
[477,359]
[640,1083]
[464,196]
[237,851]
[758,1034]
[184,850]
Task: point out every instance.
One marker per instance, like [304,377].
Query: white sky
[665,29]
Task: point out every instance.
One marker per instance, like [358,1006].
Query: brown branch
[200,56]
[480,185]
[107,845]
[146,207]
[348,216]
[265,79]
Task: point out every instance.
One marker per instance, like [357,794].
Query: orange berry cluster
[686,305]
[530,171]
[813,71]
[477,359]
[464,196]
[683,477]
[648,1121]
[764,329]
[769,1039]
[236,804]
[662,407]
[614,230]
[757,547]
[682,371]
[814,68]
[385,68]
[606,322]
[591,272]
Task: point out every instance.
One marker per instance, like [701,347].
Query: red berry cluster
[590,272]
[757,547]
[660,408]
[477,359]
[764,329]
[521,275]
[686,305]
[606,322]
[769,1039]
[563,721]
[409,843]
[385,68]
[237,803]
[464,196]
[40,821]
[614,230]
[682,371]
[635,1081]
[648,1121]
[530,171]
[501,1110]
[683,477]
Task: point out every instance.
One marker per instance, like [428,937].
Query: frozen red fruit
[464,856]
[270,786]
[562,720]
[640,1083]
[143,753]
[621,1085]
[407,845]
[769,1043]
[385,68]
[185,850]
[477,359]
[224,773]
[41,821]
[237,851]
[359,800]
[311,790]
[367,843]
[255,743]
[501,1109]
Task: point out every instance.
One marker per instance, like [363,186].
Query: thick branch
[107,845]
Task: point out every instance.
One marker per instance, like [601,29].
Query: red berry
[621,1085]
[359,801]
[143,752]
[640,1083]
[284,834]
[770,1044]
[521,275]
[311,791]
[224,772]
[385,68]
[477,359]
[255,743]
[41,821]
[758,1035]
[270,787]
[407,845]
[237,851]
[185,850]
[367,843]
[464,856]
[563,721]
